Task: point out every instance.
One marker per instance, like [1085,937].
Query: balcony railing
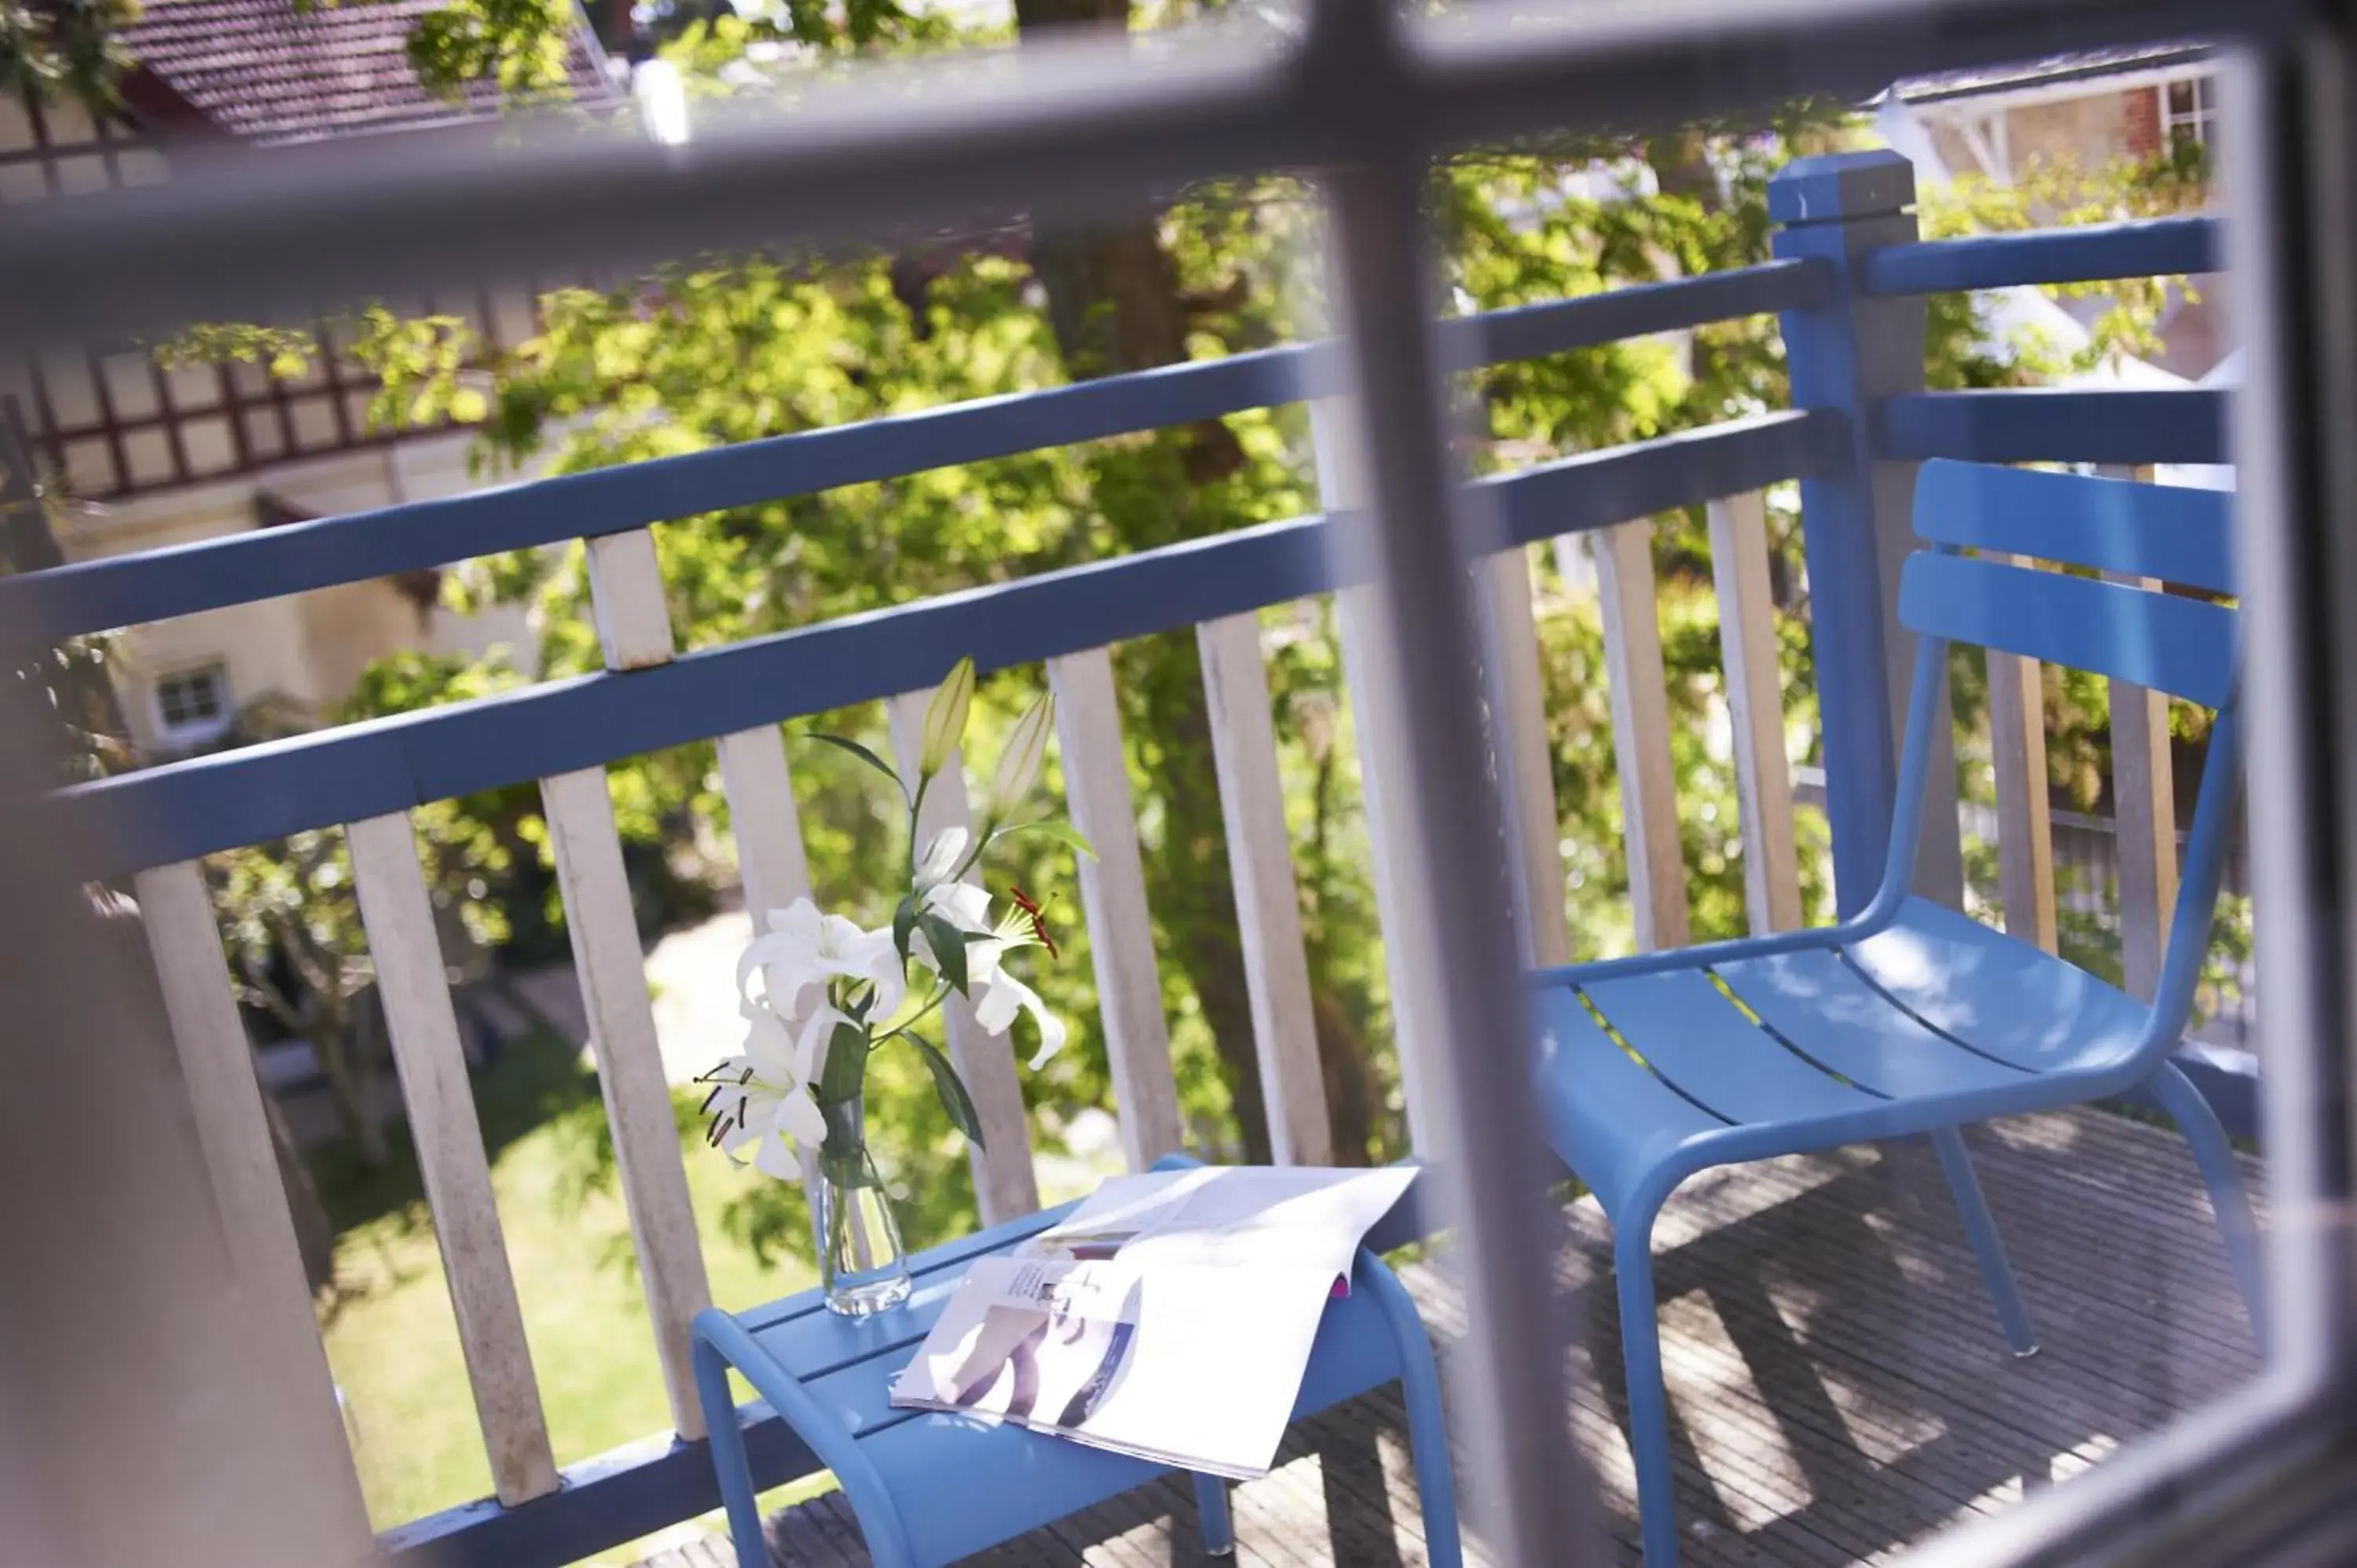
[1860,417]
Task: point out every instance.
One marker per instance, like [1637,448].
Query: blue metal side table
[930,1488]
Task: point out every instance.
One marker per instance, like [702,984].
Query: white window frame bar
[1108,124]
[2201,120]
[173,732]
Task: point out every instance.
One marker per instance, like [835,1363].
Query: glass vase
[860,1264]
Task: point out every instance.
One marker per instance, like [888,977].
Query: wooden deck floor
[1838,1383]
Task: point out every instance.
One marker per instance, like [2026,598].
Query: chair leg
[728,1460]
[1428,1424]
[1981,1230]
[1649,1403]
[2221,1173]
[1218,1530]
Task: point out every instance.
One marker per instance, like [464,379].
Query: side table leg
[728,1461]
[1212,1509]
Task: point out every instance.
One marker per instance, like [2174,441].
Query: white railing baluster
[1268,908]
[1373,694]
[2025,829]
[2144,813]
[1004,1185]
[634,632]
[626,590]
[1511,630]
[612,969]
[233,1131]
[1113,900]
[769,858]
[1641,734]
[755,776]
[413,983]
[1755,709]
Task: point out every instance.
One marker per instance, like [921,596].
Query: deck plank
[1838,1385]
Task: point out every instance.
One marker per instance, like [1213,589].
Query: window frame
[2199,123]
[1367,99]
[191,732]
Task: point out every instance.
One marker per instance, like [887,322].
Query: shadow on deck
[1837,1380]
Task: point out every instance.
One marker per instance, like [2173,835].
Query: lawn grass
[390,1334]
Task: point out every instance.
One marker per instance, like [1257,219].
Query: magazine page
[1170,1315]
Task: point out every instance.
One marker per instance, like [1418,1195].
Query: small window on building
[193,705]
[2188,110]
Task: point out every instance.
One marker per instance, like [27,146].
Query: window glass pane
[194,696]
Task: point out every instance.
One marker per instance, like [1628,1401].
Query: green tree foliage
[66,49]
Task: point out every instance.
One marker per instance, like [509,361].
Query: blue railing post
[1846,354]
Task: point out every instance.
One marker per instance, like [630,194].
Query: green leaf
[949,948]
[861,752]
[1056,828]
[946,1083]
[904,927]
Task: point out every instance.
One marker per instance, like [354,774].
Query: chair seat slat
[1826,1010]
[1597,1099]
[1698,1039]
[2005,998]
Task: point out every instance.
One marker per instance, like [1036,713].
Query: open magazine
[1168,1317]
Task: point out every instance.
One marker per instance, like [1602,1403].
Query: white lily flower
[762,1096]
[967,907]
[1002,998]
[942,856]
[962,903]
[998,995]
[803,948]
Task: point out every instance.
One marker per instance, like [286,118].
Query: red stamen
[1030,907]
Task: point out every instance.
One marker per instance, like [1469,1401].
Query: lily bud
[945,718]
[1018,765]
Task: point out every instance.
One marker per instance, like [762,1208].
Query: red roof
[265,72]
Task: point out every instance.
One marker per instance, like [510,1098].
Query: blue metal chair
[1911,1018]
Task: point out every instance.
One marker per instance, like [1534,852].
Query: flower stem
[989,830]
[914,1019]
[916,810]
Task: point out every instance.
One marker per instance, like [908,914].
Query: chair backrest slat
[2175,534]
[2184,647]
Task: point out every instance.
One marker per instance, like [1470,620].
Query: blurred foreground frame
[123,1336]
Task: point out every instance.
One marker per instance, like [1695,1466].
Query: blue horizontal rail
[258,793]
[2059,426]
[129,590]
[2155,247]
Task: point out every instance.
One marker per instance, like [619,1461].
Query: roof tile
[270,73]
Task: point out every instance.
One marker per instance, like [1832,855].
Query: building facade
[2089,109]
[144,452]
